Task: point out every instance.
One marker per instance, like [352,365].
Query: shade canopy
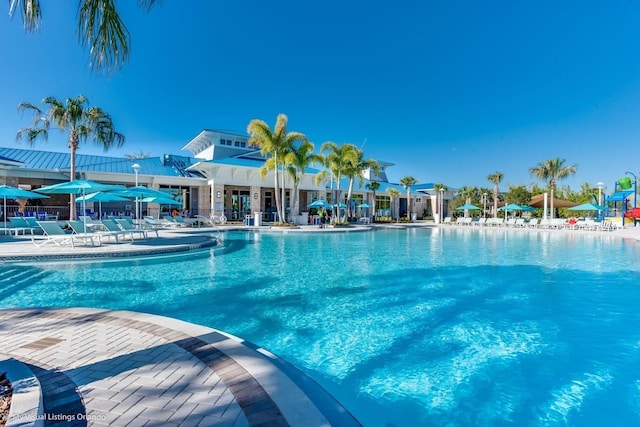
[537,201]
[618,196]
[78,186]
[142,191]
[364,205]
[320,204]
[587,207]
[161,201]
[511,207]
[100,196]
[14,193]
[468,207]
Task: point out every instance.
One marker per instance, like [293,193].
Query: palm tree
[338,160]
[297,160]
[495,178]
[393,194]
[440,189]
[276,144]
[136,156]
[552,171]
[75,117]
[356,166]
[408,182]
[99,28]
[373,186]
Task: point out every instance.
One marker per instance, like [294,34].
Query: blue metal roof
[48,160]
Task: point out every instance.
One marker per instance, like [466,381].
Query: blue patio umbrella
[468,207]
[78,187]
[511,207]
[587,207]
[320,204]
[100,197]
[364,205]
[14,193]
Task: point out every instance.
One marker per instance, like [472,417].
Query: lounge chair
[129,226]
[19,224]
[157,223]
[173,221]
[79,228]
[115,230]
[533,223]
[447,220]
[56,234]
[481,222]
[520,223]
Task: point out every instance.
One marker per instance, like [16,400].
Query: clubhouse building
[220,176]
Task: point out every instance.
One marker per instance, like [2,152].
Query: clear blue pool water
[429,327]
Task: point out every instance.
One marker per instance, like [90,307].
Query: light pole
[441,205]
[600,186]
[136,168]
[484,205]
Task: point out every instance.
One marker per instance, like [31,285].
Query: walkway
[119,368]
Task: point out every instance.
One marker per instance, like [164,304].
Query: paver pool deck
[118,368]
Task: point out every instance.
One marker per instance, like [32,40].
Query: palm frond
[30,12]
[101,29]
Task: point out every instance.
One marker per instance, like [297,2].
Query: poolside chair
[114,229]
[20,224]
[480,222]
[447,220]
[533,223]
[157,223]
[520,223]
[79,228]
[130,226]
[56,234]
[173,221]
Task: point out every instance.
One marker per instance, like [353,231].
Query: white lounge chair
[129,226]
[114,229]
[56,234]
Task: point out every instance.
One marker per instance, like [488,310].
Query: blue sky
[447,91]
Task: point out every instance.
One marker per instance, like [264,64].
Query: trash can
[257,219]
[414,216]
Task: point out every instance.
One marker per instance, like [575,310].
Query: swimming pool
[405,327]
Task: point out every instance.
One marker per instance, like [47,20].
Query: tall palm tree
[373,186]
[99,28]
[356,166]
[552,171]
[440,189]
[495,178]
[394,195]
[276,144]
[407,182]
[75,117]
[297,160]
[338,160]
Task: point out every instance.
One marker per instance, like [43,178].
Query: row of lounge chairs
[87,232]
[555,223]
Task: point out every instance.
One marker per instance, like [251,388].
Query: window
[418,200]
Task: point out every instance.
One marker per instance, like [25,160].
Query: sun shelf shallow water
[405,327]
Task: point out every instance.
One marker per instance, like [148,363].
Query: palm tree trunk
[283,218]
[551,213]
[72,169]
[408,203]
[276,187]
